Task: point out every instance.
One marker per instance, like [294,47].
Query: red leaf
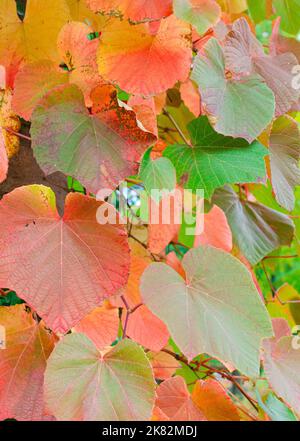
[62,267]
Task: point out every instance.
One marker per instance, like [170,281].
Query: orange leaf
[210,397]
[101,326]
[216,232]
[174,403]
[79,54]
[156,55]
[164,365]
[146,329]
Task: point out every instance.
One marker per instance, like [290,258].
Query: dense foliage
[150,210]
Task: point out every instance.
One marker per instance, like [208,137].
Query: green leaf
[276,409]
[82,383]
[289,11]
[98,149]
[214,160]
[243,107]
[257,10]
[158,174]
[202,15]
[257,230]
[217,310]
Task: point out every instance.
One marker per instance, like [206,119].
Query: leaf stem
[19,135]
[165,112]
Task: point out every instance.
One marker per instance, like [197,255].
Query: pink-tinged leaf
[164,365]
[156,55]
[241,47]
[3,159]
[82,383]
[223,94]
[174,403]
[280,44]
[202,14]
[135,10]
[79,54]
[99,149]
[281,363]
[79,261]
[216,231]
[146,329]
[31,84]
[22,365]
[191,97]
[211,398]
[284,160]
[101,326]
[244,55]
[217,286]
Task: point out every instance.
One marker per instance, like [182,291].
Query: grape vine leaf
[222,96]
[284,160]
[257,230]
[113,385]
[174,402]
[33,38]
[245,55]
[214,160]
[99,149]
[22,365]
[101,325]
[76,272]
[202,14]
[211,398]
[156,55]
[208,305]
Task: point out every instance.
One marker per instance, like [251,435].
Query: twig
[20,135]
[281,257]
[183,360]
[165,112]
[233,380]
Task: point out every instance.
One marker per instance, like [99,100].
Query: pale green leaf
[82,383]
[217,310]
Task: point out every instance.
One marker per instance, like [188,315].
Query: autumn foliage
[148,102]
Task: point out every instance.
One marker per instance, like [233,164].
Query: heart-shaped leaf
[214,160]
[242,107]
[202,14]
[99,149]
[211,303]
[257,230]
[82,383]
[75,270]
[156,55]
